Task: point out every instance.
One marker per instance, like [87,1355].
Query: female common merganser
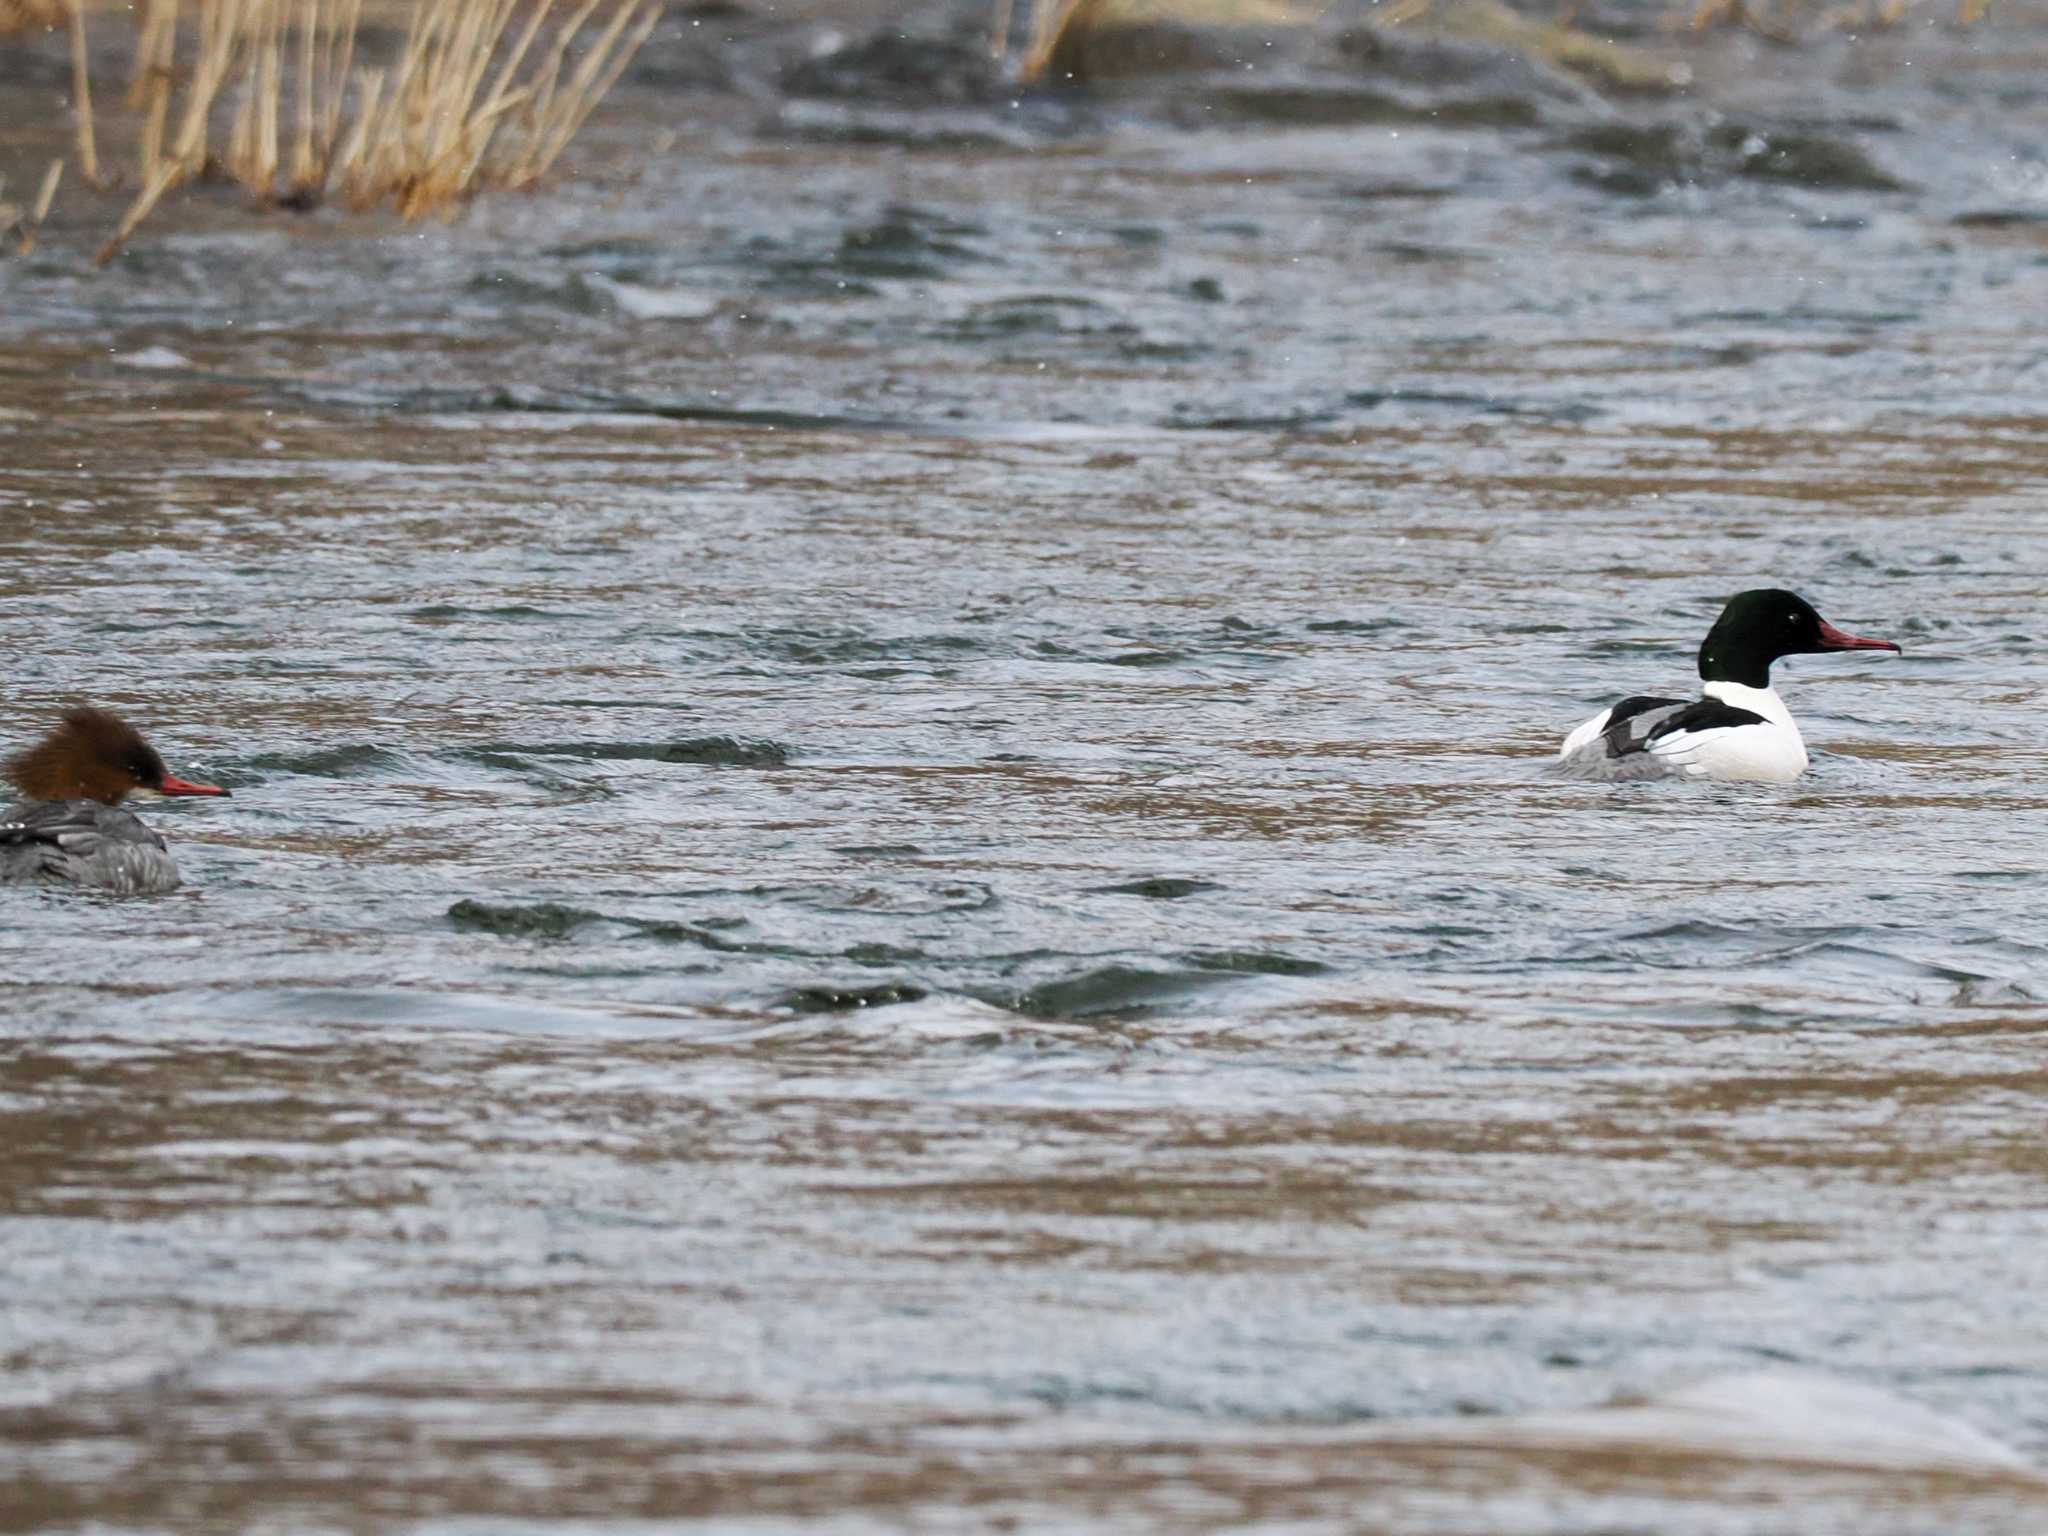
[69,824]
[1741,729]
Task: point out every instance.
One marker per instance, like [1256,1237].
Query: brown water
[890,865]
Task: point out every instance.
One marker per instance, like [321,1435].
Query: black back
[1703,715]
[1634,705]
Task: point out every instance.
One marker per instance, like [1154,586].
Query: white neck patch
[1758,701]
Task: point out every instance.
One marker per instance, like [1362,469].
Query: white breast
[1771,750]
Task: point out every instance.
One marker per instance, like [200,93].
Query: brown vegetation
[1787,21]
[20,223]
[1062,30]
[484,93]
[30,15]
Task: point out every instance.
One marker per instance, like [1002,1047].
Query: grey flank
[87,843]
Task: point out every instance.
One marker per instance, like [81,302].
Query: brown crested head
[93,755]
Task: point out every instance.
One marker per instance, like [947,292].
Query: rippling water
[890,863]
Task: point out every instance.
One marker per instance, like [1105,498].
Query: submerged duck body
[69,824]
[1738,728]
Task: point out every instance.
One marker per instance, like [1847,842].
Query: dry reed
[23,223]
[81,97]
[31,15]
[1059,26]
[484,93]
[1790,21]
[1059,29]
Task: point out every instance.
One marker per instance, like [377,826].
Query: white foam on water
[1769,1416]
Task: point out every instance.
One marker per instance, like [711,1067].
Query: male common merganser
[69,824]
[1741,729]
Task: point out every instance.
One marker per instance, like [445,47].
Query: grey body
[1614,751]
[85,843]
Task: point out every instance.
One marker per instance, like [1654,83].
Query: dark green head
[1759,626]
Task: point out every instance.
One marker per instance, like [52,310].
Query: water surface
[889,864]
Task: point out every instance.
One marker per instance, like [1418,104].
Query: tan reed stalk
[241,150]
[450,116]
[341,44]
[494,103]
[221,25]
[48,194]
[81,97]
[145,54]
[259,88]
[1049,24]
[350,167]
[31,15]
[523,171]
[489,116]
[266,80]
[145,201]
[467,57]
[45,196]
[563,107]
[445,39]
[393,135]
[305,161]
[585,95]
[451,94]
[475,97]
[421,114]
[501,98]
[160,37]
[390,134]
[518,172]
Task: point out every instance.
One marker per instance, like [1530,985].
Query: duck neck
[1729,655]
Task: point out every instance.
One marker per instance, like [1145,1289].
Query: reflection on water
[890,864]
